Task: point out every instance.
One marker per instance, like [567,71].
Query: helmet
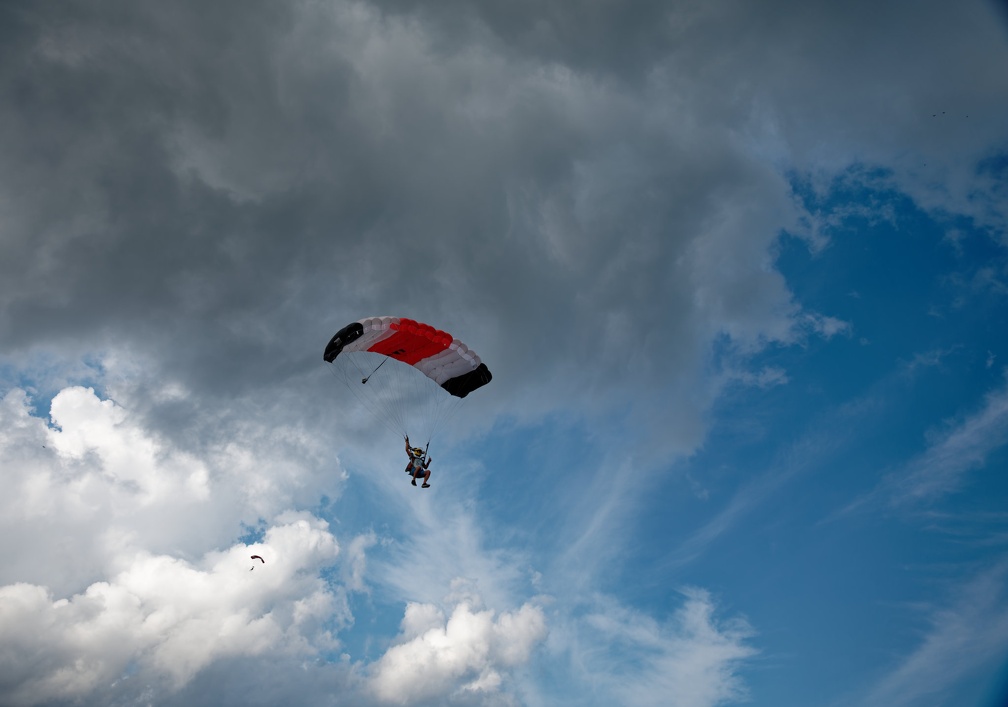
[417,451]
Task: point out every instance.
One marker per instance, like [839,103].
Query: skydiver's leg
[426,478]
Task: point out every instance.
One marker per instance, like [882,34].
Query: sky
[740,271]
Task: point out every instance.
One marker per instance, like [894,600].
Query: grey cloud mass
[247,183]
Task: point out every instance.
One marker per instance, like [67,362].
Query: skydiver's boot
[413,482]
[424,485]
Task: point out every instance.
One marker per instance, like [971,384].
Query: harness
[417,460]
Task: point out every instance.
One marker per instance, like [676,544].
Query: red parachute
[428,374]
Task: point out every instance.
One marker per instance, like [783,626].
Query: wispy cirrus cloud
[823,438]
[966,635]
[963,446]
[955,452]
[623,656]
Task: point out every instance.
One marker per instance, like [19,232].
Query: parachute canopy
[435,353]
[256,557]
[429,371]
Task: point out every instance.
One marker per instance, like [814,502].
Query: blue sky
[740,272]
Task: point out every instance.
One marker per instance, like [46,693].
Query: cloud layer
[194,198]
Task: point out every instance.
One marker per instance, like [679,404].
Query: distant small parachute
[256,557]
[428,374]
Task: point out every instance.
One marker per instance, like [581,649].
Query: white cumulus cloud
[473,648]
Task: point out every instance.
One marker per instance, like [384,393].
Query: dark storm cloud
[101,233]
[110,235]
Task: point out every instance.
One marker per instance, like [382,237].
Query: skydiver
[418,464]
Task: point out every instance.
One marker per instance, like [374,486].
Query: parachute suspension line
[342,373]
[420,403]
[441,411]
[390,395]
